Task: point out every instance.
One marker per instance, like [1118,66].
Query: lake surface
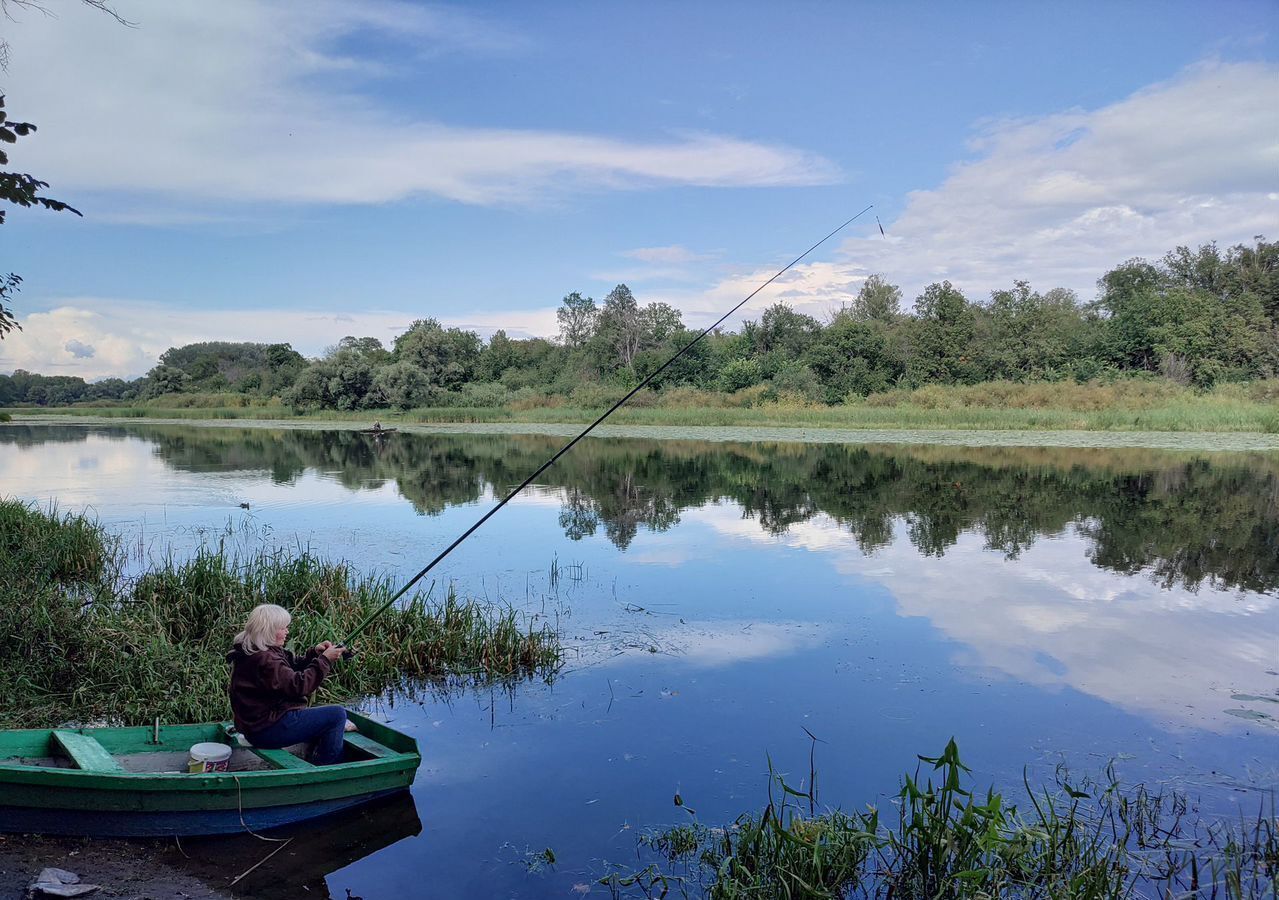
[720,598]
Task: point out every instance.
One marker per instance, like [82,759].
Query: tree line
[1198,317]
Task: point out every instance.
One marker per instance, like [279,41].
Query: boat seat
[373,748]
[277,759]
[282,759]
[86,752]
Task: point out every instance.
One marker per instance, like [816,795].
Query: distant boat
[120,782]
[378,431]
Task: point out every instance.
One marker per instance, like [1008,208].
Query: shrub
[593,395]
[740,373]
[483,394]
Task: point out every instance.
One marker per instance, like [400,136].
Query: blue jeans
[323,725]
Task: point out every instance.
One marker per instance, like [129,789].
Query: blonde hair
[261,626]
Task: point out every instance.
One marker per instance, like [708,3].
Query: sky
[300,171]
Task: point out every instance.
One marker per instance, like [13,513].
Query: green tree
[448,357]
[659,322]
[784,331]
[165,380]
[496,357]
[853,356]
[1255,270]
[284,364]
[577,316]
[696,367]
[942,336]
[1190,318]
[877,300]
[368,347]
[401,385]
[620,331]
[1031,335]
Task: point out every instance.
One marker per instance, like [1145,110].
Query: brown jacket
[267,684]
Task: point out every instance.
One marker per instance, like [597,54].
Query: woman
[270,688]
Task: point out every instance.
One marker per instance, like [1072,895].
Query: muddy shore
[125,869]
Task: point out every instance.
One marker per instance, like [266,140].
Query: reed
[86,644]
[1131,404]
[1091,840]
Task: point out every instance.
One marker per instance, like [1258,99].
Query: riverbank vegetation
[1090,840]
[1195,320]
[1127,404]
[84,642]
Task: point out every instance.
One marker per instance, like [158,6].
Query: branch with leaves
[19,189]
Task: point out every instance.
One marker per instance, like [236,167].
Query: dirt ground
[137,870]
[292,862]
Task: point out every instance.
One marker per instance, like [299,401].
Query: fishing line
[589,428]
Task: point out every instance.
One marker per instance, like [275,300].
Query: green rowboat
[133,782]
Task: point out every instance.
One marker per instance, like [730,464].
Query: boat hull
[185,823]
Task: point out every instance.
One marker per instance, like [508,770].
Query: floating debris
[53,882]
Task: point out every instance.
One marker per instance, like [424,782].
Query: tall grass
[1090,840]
[83,643]
[1131,404]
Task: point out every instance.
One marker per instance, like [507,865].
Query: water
[1041,605]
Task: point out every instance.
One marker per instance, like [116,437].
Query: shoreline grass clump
[83,643]
[1092,840]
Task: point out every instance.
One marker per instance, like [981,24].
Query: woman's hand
[322,646]
[332,652]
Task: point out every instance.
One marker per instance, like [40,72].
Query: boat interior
[159,750]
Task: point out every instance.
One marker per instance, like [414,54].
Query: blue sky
[302,171]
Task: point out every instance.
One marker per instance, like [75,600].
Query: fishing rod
[589,428]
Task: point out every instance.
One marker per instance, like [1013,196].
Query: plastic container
[208,757]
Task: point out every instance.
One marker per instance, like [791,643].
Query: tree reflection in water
[1186,518]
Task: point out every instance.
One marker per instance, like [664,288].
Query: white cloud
[671,255]
[241,101]
[1060,199]
[1053,619]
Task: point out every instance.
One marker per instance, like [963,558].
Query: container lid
[210,752]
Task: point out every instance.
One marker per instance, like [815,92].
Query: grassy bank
[1077,841]
[1125,405]
[84,643]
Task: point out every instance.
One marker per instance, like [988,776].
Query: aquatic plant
[85,643]
[1084,840]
